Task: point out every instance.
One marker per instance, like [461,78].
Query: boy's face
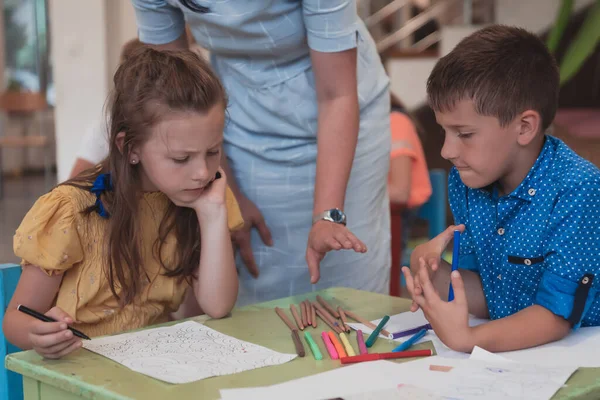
[481,150]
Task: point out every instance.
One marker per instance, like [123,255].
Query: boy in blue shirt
[526,204]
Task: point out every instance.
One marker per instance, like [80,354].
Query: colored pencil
[326,320]
[313,346]
[296,317]
[406,345]
[347,345]
[363,321]
[408,332]
[298,344]
[285,319]
[338,346]
[314,315]
[328,317]
[327,306]
[362,348]
[455,257]
[329,346]
[303,308]
[375,334]
[344,319]
[386,356]
[308,313]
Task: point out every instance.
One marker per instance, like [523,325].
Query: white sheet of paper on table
[350,380]
[468,380]
[578,349]
[185,352]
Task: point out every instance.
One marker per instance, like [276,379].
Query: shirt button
[500,276]
[531,192]
[500,231]
[585,280]
[527,261]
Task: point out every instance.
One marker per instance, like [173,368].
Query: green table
[88,375]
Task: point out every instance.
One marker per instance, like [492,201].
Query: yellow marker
[347,345]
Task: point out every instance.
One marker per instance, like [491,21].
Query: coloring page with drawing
[185,352]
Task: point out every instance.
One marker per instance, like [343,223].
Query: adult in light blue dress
[300,75]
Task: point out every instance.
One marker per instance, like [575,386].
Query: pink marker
[362,348]
[330,347]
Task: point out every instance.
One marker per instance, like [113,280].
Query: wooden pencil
[303,308]
[365,322]
[285,319]
[296,317]
[308,313]
[314,315]
[329,317]
[344,319]
[335,328]
[328,307]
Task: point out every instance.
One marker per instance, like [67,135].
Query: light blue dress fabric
[260,49]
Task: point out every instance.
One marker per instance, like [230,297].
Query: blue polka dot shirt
[541,243]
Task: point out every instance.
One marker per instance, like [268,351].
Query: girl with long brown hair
[121,245]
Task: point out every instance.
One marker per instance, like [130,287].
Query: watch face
[336,215]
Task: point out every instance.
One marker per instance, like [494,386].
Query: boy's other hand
[429,254]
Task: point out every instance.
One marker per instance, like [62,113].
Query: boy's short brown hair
[503,70]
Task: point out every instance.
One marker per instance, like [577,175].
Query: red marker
[386,356]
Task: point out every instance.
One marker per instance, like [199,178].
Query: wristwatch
[334,215]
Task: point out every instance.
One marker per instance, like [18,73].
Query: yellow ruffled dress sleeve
[234,215]
[47,236]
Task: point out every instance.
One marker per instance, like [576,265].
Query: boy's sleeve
[572,254]
[459,204]
[158,22]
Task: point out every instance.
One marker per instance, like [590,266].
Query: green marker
[373,337]
[313,346]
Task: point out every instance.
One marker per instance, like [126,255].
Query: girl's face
[183,153]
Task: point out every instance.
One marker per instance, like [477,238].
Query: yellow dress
[56,237]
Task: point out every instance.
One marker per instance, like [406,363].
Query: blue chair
[434,211]
[11,384]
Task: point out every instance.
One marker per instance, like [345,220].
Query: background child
[118,248]
[408,182]
[527,204]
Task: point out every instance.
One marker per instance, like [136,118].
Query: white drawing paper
[185,352]
[579,348]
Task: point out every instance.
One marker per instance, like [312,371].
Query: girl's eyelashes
[213,152]
[181,160]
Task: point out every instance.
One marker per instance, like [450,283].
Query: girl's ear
[120,142]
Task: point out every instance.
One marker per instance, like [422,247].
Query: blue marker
[455,252]
[416,337]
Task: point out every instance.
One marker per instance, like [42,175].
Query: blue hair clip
[102,183]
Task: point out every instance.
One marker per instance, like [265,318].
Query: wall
[86,40]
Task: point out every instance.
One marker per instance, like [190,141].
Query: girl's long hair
[148,85]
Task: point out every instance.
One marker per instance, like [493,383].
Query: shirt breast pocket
[522,275]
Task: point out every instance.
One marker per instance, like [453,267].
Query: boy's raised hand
[430,254]
[449,320]
[52,339]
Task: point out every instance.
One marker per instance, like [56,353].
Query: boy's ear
[530,123]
